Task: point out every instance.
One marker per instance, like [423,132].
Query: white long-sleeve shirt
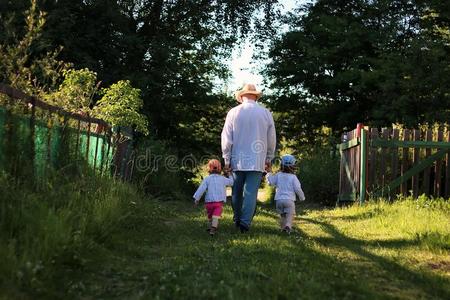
[287,186]
[248,137]
[215,187]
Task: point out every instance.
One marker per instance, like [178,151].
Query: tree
[173,51]
[20,66]
[120,106]
[363,61]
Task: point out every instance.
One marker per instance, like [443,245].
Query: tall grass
[46,228]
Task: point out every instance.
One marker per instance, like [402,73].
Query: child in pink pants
[215,187]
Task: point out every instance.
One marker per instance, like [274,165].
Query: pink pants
[214,209]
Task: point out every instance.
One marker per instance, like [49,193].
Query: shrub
[158,170]
[120,106]
[319,174]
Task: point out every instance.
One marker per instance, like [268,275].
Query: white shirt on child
[287,186]
[215,187]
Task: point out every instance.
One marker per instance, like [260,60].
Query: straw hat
[248,89]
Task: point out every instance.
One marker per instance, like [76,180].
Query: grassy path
[380,251]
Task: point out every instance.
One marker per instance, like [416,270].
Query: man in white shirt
[248,147]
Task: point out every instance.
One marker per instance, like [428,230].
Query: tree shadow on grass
[177,254]
[373,212]
[428,283]
[252,267]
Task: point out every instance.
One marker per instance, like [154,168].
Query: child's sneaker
[212,231]
[287,229]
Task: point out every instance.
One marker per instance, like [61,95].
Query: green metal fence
[36,137]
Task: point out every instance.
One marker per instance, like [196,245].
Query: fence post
[363,164]
[33,138]
[447,170]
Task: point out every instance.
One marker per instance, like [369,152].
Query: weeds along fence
[394,161]
[36,137]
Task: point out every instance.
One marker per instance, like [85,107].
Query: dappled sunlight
[112,112]
[369,251]
[323,244]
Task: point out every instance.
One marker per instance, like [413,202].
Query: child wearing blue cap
[287,187]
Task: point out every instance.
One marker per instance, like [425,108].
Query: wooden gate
[394,161]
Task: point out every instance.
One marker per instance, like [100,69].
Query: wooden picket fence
[394,161]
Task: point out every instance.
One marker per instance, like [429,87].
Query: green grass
[160,250]
[49,230]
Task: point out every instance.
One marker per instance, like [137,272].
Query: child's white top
[215,187]
[287,185]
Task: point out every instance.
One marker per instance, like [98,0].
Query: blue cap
[288,160]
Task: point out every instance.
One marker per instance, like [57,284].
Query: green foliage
[120,106]
[174,51]
[319,174]
[158,170]
[332,254]
[376,62]
[20,65]
[56,226]
[77,90]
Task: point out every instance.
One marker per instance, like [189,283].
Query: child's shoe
[209,226]
[212,231]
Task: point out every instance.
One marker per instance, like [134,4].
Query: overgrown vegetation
[76,234]
[20,65]
[113,244]
[60,84]
[159,171]
[53,228]
[319,175]
[175,52]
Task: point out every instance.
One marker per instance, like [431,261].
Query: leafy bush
[319,174]
[76,91]
[159,171]
[120,106]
